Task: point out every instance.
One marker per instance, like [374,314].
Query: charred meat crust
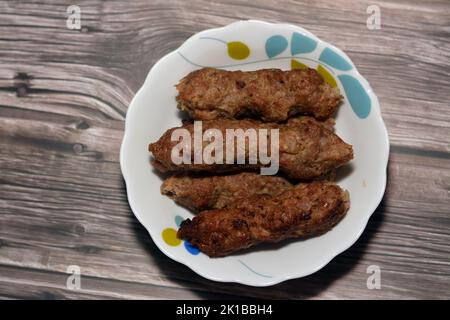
[303,211]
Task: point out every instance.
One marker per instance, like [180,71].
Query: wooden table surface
[64,95]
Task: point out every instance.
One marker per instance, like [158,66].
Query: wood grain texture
[63,99]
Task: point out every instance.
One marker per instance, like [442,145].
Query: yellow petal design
[326,76]
[238,50]
[298,65]
[169,236]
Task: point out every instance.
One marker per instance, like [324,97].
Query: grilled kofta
[271,95]
[204,192]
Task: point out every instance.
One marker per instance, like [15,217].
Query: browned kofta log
[204,192]
[303,211]
[272,95]
[306,151]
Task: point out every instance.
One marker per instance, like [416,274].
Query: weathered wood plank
[36,284]
[63,98]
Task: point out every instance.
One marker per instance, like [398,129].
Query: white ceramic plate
[251,45]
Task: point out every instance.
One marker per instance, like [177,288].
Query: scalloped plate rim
[264,281]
